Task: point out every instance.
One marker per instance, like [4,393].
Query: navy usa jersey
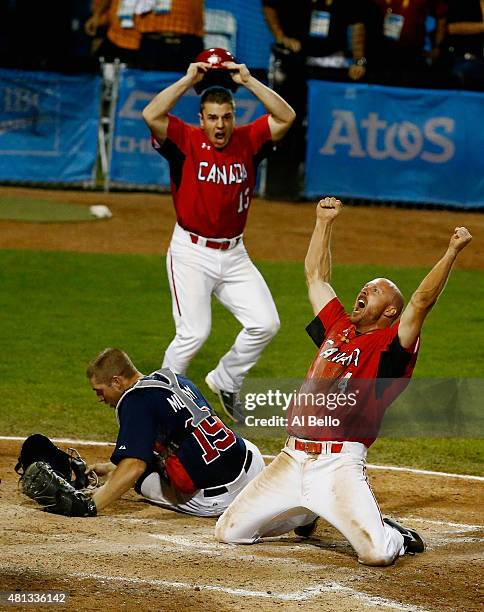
[150,415]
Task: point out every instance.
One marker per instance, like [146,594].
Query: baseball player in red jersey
[213,172]
[321,470]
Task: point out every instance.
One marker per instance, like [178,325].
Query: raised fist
[328,208]
[460,239]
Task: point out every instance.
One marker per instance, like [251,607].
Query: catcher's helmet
[218,74]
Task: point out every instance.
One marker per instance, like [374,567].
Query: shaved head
[378,304]
[397,299]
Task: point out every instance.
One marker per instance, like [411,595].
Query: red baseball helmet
[215,57]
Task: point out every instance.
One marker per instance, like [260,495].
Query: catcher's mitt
[71,466]
[41,483]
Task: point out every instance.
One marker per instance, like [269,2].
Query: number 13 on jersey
[244,200]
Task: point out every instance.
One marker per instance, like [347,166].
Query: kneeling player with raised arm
[370,352]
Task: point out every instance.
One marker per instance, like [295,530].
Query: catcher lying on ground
[171,447]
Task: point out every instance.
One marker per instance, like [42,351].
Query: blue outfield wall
[364,141]
[48,126]
[406,145]
[134,161]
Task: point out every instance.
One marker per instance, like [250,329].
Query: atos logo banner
[387,143]
[382,139]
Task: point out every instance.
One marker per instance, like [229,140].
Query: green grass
[462,456]
[42,211]
[60,309]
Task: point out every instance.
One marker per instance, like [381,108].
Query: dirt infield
[142,223]
[136,556]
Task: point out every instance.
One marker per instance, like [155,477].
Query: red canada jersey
[212,188]
[352,380]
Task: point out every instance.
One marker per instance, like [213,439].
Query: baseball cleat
[230,401]
[306,531]
[412,542]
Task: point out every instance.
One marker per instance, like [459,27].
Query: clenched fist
[460,239]
[328,208]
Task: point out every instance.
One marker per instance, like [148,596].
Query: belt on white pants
[313,447]
[221,244]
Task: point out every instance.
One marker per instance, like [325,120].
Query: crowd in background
[72,35]
[409,43]
[423,43]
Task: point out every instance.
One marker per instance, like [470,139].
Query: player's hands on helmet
[460,239]
[328,208]
[239,72]
[197,70]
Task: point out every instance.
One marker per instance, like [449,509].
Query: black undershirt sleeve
[262,153]
[316,331]
[394,361]
[175,158]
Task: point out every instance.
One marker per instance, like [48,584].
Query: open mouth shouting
[219,137]
[360,303]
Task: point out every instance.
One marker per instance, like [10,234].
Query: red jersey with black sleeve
[352,380]
[212,188]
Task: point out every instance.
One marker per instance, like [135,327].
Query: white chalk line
[175,543]
[467,540]
[303,595]
[432,541]
[229,552]
[95,546]
[396,468]
[373,466]
[63,441]
[106,548]
[462,526]
[234,552]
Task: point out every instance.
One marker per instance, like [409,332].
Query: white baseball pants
[194,273]
[298,487]
[161,493]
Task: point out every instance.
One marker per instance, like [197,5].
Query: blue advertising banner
[48,126]
[133,159]
[384,143]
